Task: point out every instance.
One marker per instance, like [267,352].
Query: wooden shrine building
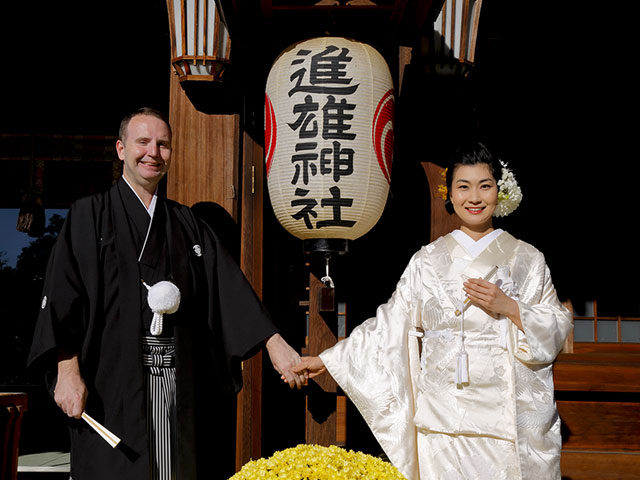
[218,167]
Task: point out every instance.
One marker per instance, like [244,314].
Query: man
[158,392]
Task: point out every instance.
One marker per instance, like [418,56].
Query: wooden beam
[588,465]
[597,371]
[600,425]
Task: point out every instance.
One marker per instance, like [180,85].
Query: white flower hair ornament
[509,193]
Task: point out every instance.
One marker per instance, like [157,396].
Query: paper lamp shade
[329,109]
[200,42]
[456,30]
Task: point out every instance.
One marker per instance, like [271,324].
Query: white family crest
[198,250]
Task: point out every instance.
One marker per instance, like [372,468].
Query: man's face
[145,151]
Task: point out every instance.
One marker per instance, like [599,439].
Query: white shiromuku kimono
[399,367]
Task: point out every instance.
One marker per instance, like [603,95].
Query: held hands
[311,367]
[490,298]
[70,392]
[285,360]
[293,370]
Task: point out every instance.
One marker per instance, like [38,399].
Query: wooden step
[593,465]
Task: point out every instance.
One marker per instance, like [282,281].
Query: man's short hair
[152,112]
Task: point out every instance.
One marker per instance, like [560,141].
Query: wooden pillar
[441,222]
[325,407]
[206,167]
[404,59]
[249,424]
[205,157]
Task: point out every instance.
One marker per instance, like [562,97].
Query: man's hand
[70,392]
[284,359]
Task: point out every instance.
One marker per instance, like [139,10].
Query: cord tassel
[156,324]
[462,368]
[462,363]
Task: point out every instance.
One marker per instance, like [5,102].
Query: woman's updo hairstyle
[470,153]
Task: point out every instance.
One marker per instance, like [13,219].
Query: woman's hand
[490,298]
[310,367]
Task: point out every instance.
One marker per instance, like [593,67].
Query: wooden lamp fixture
[452,42]
[200,42]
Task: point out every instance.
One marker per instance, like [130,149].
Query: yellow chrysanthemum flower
[314,462]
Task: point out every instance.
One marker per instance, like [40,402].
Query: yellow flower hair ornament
[442,188]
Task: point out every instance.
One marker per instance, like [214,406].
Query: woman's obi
[485,405]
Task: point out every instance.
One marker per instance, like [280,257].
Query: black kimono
[94,304]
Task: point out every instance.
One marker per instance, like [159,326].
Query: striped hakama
[158,357]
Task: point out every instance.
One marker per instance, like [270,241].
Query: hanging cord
[462,364]
[327,279]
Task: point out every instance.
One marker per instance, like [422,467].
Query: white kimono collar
[475,248]
[152,206]
[497,253]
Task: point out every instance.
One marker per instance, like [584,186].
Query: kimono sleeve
[546,322]
[61,321]
[236,312]
[373,367]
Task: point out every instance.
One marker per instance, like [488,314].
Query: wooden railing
[12,408]
[596,317]
[598,396]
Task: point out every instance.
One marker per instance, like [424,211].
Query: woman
[454,373]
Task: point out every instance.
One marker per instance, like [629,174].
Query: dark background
[551,91]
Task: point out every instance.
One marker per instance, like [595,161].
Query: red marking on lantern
[382,132]
[270,132]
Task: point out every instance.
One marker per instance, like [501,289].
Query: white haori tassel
[163,297]
[462,363]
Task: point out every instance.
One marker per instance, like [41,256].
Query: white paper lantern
[329,138]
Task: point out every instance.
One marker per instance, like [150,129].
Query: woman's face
[474,195]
